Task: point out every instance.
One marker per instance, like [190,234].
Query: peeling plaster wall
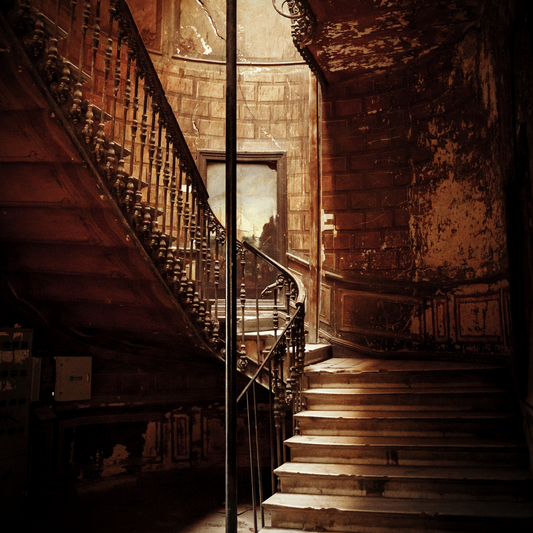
[415,163]
[273,99]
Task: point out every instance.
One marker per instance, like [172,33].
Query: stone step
[350,373]
[315,353]
[404,451]
[395,398]
[484,483]
[409,423]
[373,515]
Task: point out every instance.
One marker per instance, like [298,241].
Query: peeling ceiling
[355,38]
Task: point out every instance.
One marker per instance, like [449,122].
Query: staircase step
[375,373]
[406,451]
[315,353]
[408,423]
[443,398]
[484,484]
[372,515]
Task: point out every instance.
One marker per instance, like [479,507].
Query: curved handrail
[299,301]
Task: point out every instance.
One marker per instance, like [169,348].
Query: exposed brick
[421,154]
[245,130]
[383,260]
[378,141]
[406,259]
[364,200]
[279,112]
[421,111]
[394,118]
[363,162]
[348,107]
[246,92]
[218,110]
[348,182]
[401,216]
[210,89]
[297,91]
[202,72]
[334,128]
[328,182]
[396,238]
[276,130]
[360,86]
[365,124]
[336,202]
[366,239]
[257,112]
[380,102]
[353,261]
[329,260]
[340,241]
[298,129]
[179,85]
[334,164]
[211,127]
[378,180]
[404,97]
[271,93]
[379,219]
[255,76]
[327,110]
[298,110]
[350,220]
[403,176]
[394,158]
[393,197]
[190,106]
[334,91]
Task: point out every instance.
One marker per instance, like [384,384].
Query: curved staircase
[423,446]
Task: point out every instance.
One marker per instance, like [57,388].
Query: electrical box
[73,379]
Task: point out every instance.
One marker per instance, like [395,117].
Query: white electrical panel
[73,379]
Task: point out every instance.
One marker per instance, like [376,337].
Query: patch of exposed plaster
[207,48]
[458,229]
[488,84]
[150,440]
[210,18]
[112,465]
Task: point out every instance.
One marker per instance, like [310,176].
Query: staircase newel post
[231,267]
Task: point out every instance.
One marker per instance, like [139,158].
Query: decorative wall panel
[388,315]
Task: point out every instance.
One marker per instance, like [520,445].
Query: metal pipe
[231,267]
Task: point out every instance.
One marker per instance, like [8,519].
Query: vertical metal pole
[231,266]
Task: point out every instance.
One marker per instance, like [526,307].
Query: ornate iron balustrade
[106,92]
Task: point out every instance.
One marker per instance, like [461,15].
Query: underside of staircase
[405,446]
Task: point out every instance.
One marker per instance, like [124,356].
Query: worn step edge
[404,472]
[403,442]
[361,504]
[405,415]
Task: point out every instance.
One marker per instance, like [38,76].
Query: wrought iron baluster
[100,140]
[242,359]
[124,177]
[151,150]
[75,111]
[52,63]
